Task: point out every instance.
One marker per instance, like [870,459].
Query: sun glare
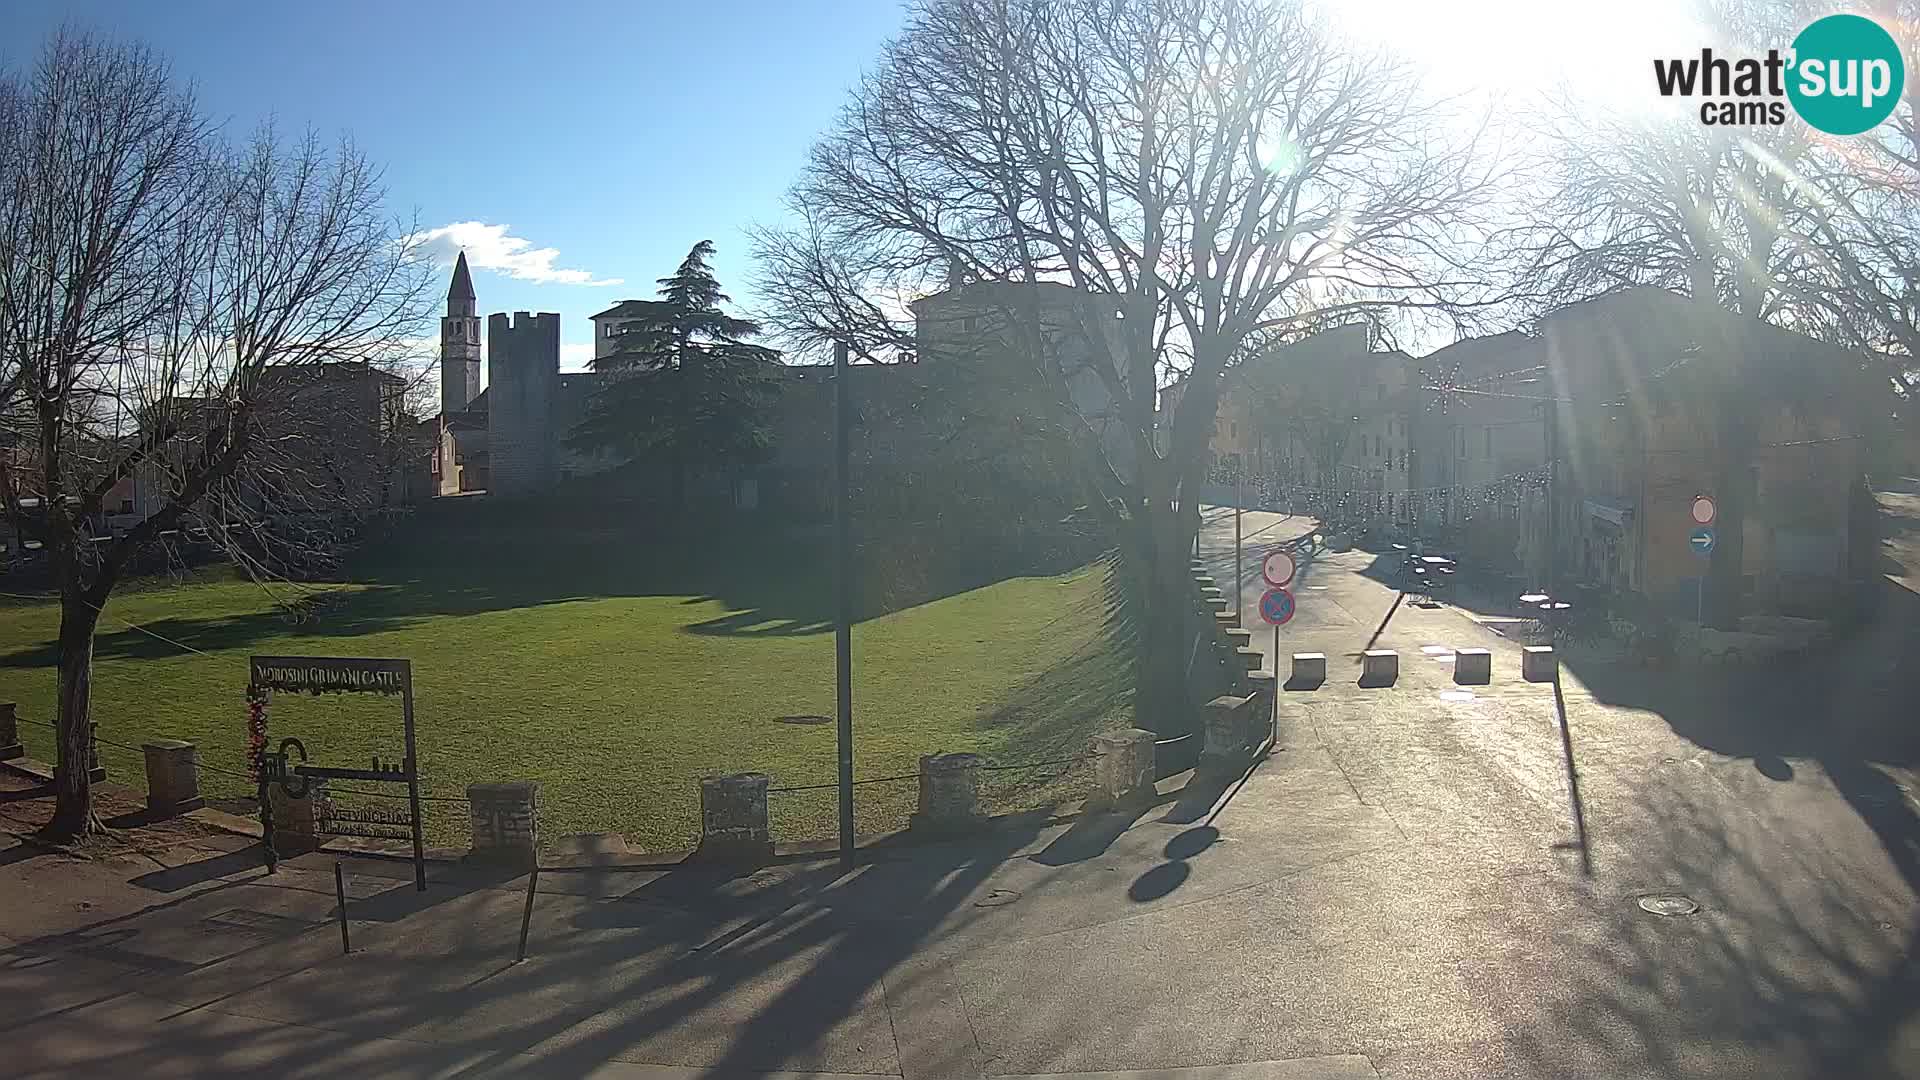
[1515,51]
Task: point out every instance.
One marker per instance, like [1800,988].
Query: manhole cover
[1668,905]
[997,898]
[255,922]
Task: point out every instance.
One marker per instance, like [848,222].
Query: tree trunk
[73,790]
[1157,555]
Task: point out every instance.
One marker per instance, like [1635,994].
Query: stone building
[460,446]
[1355,438]
[1611,391]
[511,439]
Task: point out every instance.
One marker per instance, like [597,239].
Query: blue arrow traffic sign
[1276,606]
[1701,541]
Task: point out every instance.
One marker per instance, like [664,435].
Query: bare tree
[1196,172]
[207,328]
[1726,216]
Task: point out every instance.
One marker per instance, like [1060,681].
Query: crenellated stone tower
[523,375]
[459,343]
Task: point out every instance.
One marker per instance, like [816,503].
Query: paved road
[1388,895]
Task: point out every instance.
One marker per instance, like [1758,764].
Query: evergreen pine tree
[689,388]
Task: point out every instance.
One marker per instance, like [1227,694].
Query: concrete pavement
[1389,894]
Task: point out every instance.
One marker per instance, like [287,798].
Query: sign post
[1239,497]
[334,675]
[1701,540]
[1276,607]
[842,602]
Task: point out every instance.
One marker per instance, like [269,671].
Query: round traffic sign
[1277,567]
[1276,606]
[1703,510]
[1701,541]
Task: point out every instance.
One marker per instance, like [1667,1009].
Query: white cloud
[490,247]
[575,355]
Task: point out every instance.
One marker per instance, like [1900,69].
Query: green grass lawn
[615,672]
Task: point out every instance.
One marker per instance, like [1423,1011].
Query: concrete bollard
[1203,582]
[1538,664]
[1224,737]
[1261,687]
[296,822]
[1224,620]
[949,794]
[505,819]
[1214,604]
[1123,768]
[173,776]
[1212,593]
[1309,669]
[10,747]
[1472,667]
[733,818]
[1238,637]
[1379,667]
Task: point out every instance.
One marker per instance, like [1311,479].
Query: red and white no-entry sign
[1703,510]
[1277,568]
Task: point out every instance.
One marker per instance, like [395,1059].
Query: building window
[1461,439]
[126,506]
[1489,442]
[1233,431]
[1380,392]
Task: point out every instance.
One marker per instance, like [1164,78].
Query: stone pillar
[1225,736]
[505,819]
[1122,768]
[733,818]
[1537,663]
[949,794]
[1261,687]
[296,822]
[10,747]
[173,776]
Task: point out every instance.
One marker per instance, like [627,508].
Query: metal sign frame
[336,675]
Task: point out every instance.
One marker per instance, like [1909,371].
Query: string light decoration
[1466,501]
[256,730]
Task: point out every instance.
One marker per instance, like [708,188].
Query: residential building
[1615,392]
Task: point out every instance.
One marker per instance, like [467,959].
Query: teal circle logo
[1847,74]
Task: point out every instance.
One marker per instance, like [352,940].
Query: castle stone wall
[523,367]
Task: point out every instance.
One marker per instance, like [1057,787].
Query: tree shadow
[1800,961]
[469,559]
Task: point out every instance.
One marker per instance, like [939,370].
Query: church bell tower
[459,343]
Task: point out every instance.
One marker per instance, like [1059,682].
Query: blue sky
[614,133]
